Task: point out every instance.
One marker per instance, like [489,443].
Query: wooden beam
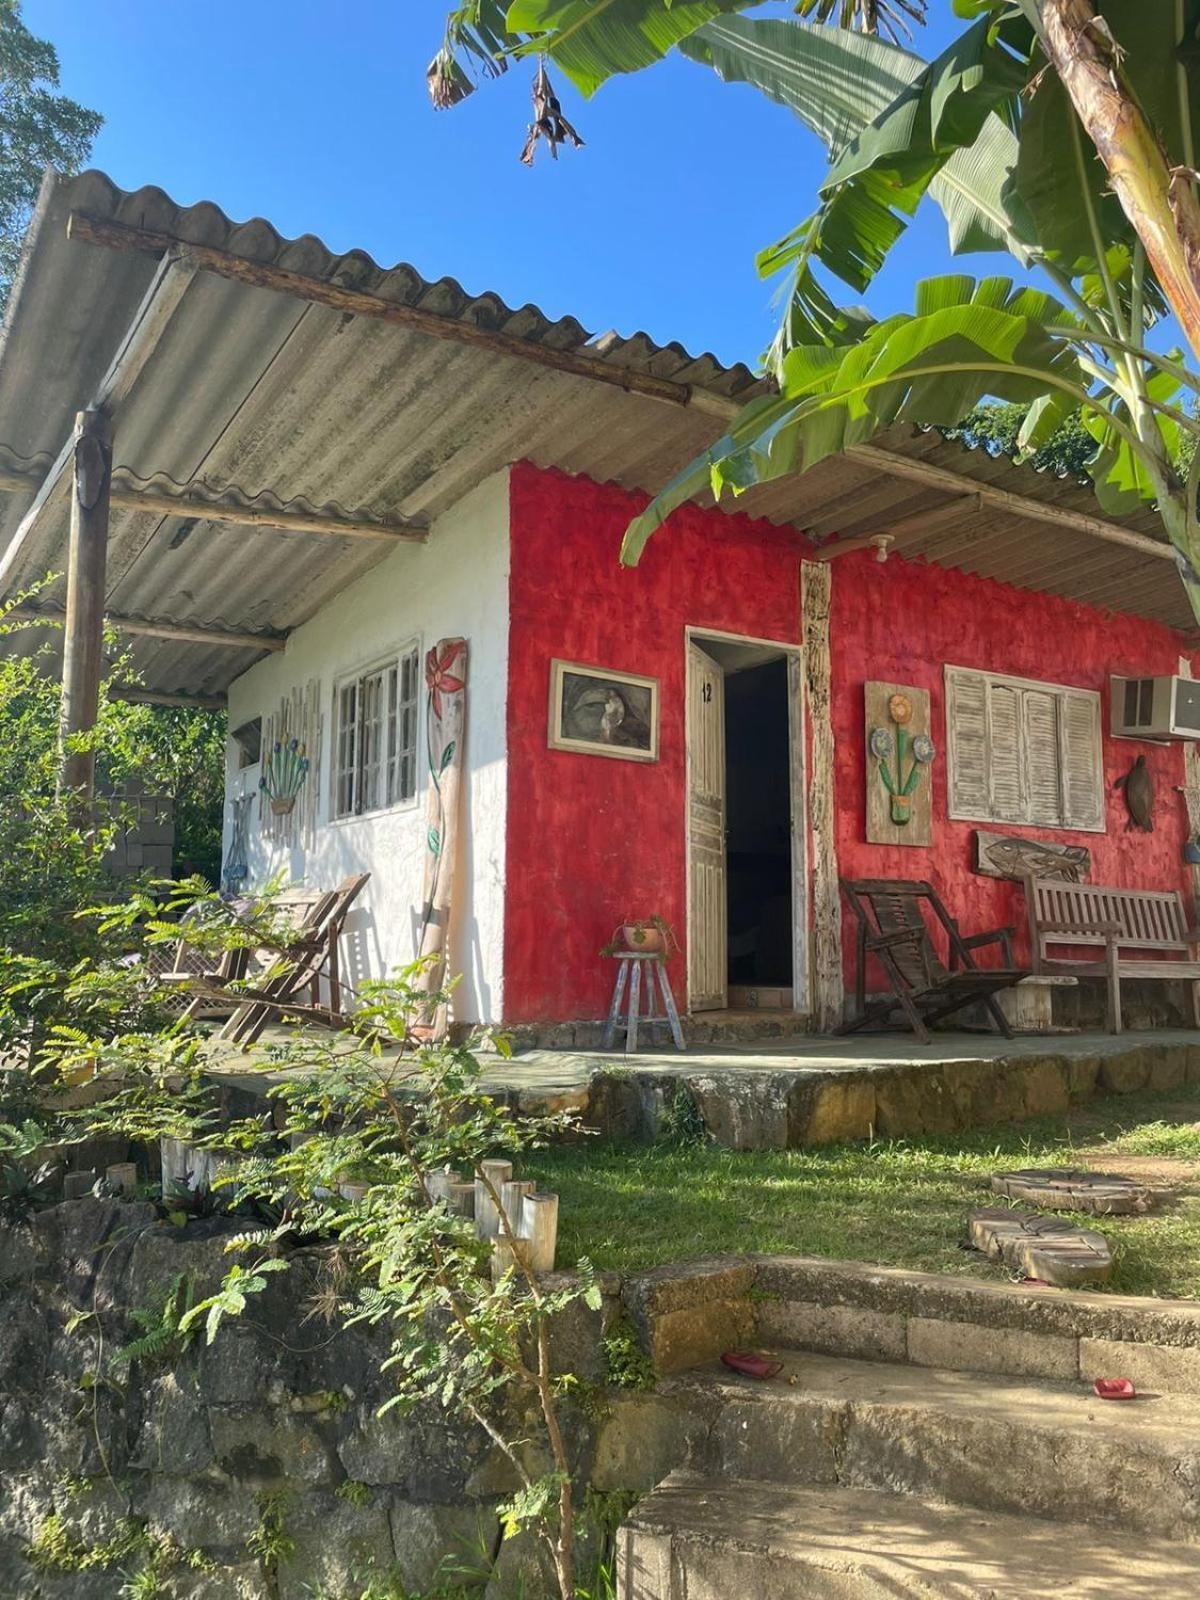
[878,459]
[358,302]
[392,531]
[920,522]
[229,637]
[389,530]
[816,579]
[83,625]
[152,697]
[167,288]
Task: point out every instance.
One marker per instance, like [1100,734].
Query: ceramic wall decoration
[900,753]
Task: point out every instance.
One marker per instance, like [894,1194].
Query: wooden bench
[1112,920]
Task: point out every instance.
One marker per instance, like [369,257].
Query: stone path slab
[1105,1194]
[1049,1248]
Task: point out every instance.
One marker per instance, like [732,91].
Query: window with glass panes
[376,740]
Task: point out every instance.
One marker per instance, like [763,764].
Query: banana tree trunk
[1159,201]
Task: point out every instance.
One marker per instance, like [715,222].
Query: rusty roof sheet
[254,393]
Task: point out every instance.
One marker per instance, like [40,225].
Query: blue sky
[314,114]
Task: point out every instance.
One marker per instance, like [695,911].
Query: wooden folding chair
[314,953]
[892,928]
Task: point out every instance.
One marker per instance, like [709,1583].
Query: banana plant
[1059,132]
[999,136]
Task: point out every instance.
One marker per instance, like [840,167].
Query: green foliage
[997,428]
[270,1542]
[682,1121]
[39,127]
[353,1492]
[377,1100]
[626,1364]
[165,1327]
[55,1548]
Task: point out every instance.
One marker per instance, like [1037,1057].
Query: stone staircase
[849,1478]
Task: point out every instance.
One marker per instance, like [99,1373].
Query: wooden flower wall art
[900,753]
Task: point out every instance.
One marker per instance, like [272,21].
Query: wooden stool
[650,964]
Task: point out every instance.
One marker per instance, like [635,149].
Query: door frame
[798,769]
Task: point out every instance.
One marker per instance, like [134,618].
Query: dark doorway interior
[758,819]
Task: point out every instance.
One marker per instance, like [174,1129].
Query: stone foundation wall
[260,1458]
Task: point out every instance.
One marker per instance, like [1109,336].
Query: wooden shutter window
[1043,790]
[1023,752]
[967,742]
[1005,767]
[1082,763]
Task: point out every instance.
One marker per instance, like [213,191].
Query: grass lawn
[899,1204]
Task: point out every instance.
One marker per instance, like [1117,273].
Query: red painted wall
[592,839]
[904,622]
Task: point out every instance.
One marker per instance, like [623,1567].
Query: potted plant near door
[644,936]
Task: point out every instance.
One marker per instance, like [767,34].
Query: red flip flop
[750,1364]
[1115,1389]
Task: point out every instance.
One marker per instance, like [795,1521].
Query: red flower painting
[439,679]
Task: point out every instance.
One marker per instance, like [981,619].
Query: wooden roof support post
[826,962]
[83,629]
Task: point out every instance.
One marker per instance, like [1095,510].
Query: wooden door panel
[707,909]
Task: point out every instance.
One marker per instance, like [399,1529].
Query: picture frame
[601,712]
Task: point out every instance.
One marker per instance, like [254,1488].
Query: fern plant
[166,1330]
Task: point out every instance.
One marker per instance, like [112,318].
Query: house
[324,471]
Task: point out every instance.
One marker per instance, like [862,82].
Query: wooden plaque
[884,809]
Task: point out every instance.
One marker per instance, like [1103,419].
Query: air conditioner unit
[1156,708]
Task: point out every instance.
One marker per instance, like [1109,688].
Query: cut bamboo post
[512,1198]
[508,1255]
[539,1229]
[122,1175]
[78,1184]
[440,1183]
[487,1213]
[83,627]
[173,1154]
[460,1200]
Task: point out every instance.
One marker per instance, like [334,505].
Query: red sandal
[751,1364]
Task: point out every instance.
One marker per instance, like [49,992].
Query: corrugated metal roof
[296,402]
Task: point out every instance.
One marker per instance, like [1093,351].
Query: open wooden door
[708,959]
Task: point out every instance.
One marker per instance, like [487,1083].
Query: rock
[265,1450]
[1049,1248]
[201,1514]
[336,1546]
[1064,1189]
[429,1539]
[175,1438]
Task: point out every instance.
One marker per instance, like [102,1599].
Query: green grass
[899,1204]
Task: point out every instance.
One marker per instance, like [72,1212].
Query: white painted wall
[457,583]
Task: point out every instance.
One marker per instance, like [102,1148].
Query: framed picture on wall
[603,713]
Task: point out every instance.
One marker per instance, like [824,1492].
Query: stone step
[998,1443]
[689,1312]
[700,1539]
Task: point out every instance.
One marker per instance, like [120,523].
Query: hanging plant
[284,775]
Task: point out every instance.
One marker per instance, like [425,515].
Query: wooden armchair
[892,926]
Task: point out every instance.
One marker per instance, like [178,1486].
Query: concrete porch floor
[803,1090]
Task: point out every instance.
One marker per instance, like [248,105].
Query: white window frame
[1061,693]
[393,773]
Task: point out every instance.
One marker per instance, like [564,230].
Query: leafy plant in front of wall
[377,1098]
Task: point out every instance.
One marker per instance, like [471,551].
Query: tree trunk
[1159,200]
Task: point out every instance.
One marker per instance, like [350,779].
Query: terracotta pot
[282,804]
[647,941]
